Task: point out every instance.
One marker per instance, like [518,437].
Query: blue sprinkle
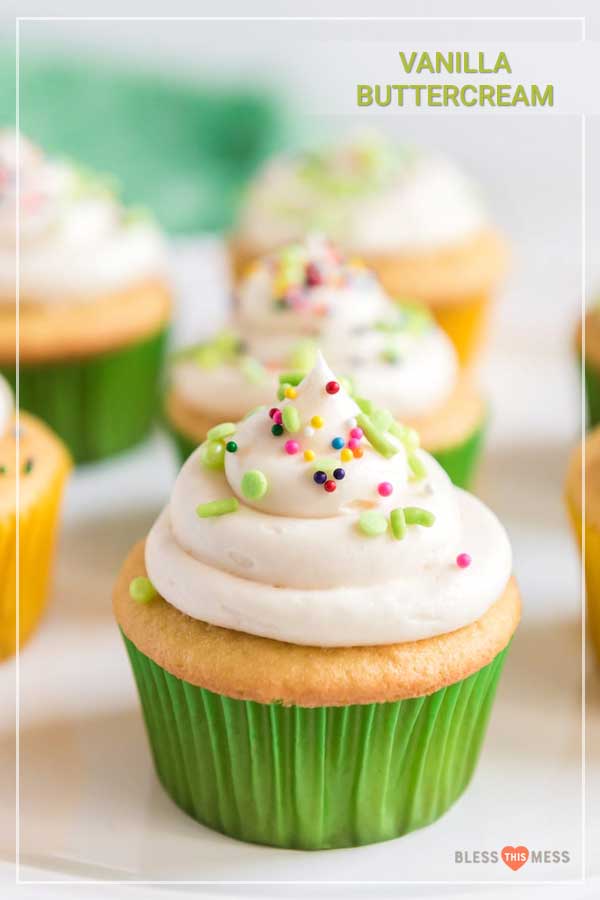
[320,477]
[337,443]
[338,474]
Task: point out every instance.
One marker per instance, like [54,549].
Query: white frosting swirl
[76,241]
[7,406]
[294,565]
[368,195]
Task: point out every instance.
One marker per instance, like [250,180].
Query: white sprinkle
[309,431]
[351,423]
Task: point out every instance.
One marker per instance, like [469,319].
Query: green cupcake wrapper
[460,461]
[98,405]
[592,394]
[313,778]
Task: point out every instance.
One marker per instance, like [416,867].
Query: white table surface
[90,805]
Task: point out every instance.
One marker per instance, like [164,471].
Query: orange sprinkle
[358,452]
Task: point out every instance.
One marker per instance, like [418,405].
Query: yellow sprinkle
[357,263]
[346,454]
[309,455]
[317,422]
[280,285]
[291,393]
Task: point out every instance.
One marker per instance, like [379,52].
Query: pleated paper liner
[37,537]
[98,405]
[317,778]
[460,461]
[592,572]
[592,394]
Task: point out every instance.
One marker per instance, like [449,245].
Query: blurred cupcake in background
[43,465]
[309,296]
[317,641]
[591,362]
[94,302]
[414,218]
[590,525]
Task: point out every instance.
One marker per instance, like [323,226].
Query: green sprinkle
[254,484]
[252,370]
[212,454]
[28,466]
[291,379]
[303,356]
[142,590]
[326,464]
[208,357]
[391,355]
[217,508]
[398,523]
[417,467]
[415,515]
[408,436]
[291,418]
[2,470]
[382,419]
[376,438]
[221,431]
[231,447]
[276,430]
[281,390]
[372,523]
[365,405]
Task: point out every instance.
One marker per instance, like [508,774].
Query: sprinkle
[212,454]
[384,488]
[417,466]
[290,393]
[358,453]
[291,379]
[382,419]
[415,515]
[309,455]
[408,436]
[291,418]
[309,431]
[364,405]
[272,411]
[278,417]
[356,433]
[463,560]
[221,431]
[351,423]
[231,447]
[142,590]
[398,523]
[313,275]
[330,486]
[317,422]
[353,443]
[332,387]
[28,466]
[281,391]
[339,473]
[337,443]
[325,463]
[254,484]
[291,447]
[217,508]
[2,470]
[346,454]
[303,355]
[277,430]
[376,438]
[372,523]
[253,371]
[320,477]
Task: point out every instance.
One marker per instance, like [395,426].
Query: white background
[90,805]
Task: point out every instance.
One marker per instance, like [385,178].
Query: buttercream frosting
[76,240]
[367,194]
[6,406]
[292,558]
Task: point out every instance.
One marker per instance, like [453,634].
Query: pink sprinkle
[353,444]
[277,417]
[463,560]
[385,488]
[291,447]
[356,433]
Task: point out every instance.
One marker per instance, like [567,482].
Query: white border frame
[583,120]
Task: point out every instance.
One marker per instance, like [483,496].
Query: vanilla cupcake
[316,640]
[413,217]
[588,525]
[94,302]
[308,296]
[43,465]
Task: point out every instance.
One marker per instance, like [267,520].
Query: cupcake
[591,363]
[94,304]
[592,522]
[308,296]
[43,465]
[413,217]
[317,641]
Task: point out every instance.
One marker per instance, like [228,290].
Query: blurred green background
[180,147]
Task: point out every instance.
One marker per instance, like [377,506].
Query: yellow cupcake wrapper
[592,573]
[37,533]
